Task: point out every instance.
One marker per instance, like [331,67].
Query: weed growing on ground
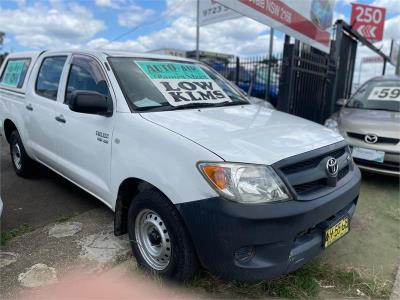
[394,213]
[67,217]
[8,235]
[304,283]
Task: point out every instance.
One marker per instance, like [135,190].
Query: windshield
[157,85]
[377,95]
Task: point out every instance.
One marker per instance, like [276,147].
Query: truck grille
[306,173]
[313,162]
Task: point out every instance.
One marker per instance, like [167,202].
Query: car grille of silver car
[381,139]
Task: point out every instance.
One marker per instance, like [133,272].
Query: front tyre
[159,238]
[22,163]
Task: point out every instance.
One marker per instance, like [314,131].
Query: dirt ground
[373,244]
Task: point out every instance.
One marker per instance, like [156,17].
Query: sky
[143,25]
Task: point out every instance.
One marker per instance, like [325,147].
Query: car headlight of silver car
[245,183]
[331,124]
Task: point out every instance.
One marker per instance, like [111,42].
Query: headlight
[245,183]
[331,124]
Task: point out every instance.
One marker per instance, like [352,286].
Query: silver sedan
[370,122]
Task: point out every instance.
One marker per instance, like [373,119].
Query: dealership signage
[307,21]
[368,21]
[213,12]
[372,59]
[182,83]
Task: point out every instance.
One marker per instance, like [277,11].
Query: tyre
[22,163]
[159,239]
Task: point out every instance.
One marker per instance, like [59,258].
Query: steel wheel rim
[153,239]
[16,155]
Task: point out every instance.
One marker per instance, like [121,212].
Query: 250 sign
[368,14]
[368,21]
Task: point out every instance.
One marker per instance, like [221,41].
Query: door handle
[61,119]
[29,107]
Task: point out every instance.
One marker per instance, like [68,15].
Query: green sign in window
[13,73]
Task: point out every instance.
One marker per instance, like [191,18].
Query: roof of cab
[24,54]
[113,53]
[107,53]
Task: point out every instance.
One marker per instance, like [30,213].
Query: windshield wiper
[200,105]
[167,106]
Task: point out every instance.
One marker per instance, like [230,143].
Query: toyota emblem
[332,167]
[371,138]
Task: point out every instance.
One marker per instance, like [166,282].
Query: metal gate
[312,81]
[307,82]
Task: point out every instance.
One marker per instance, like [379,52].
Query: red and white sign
[368,21]
[306,20]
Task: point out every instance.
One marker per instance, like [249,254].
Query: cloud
[241,36]
[109,3]
[40,26]
[392,6]
[392,28]
[134,16]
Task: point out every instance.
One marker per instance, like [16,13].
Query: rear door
[41,101]
[85,140]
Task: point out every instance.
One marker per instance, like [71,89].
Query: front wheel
[159,239]
[22,163]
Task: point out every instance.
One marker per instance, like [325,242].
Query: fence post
[286,81]
[237,70]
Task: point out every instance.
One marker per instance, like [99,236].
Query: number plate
[368,154]
[336,231]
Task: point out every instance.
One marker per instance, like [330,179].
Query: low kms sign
[368,21]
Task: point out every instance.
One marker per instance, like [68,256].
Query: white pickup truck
[195,174]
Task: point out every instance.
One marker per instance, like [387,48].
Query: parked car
[370,123]
[194,172]
[254,83]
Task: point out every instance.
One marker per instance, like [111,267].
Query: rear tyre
[159,239]
[22,163]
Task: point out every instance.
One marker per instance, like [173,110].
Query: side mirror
[341,102]
[88,102]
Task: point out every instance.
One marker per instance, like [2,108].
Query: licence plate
[336,231]
[368,154]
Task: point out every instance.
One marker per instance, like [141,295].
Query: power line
[168,13]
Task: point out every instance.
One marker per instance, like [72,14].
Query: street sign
[368,21]
[213,12]
[308,21]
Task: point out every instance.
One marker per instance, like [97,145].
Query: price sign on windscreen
[385,93]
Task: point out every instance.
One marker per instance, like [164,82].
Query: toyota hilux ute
[195,174]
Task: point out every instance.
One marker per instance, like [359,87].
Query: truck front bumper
[255,242]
